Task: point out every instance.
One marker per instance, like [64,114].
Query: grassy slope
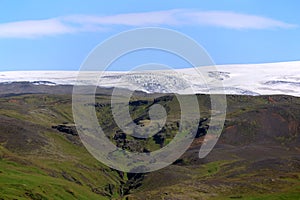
[257,157]
[49,166]
[37,162]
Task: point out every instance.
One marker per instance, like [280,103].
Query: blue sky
[58,35]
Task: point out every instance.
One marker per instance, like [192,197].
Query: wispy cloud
[87,23]
[235,20]
[130,19]
[34,28]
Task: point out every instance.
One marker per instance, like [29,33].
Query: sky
[59,35]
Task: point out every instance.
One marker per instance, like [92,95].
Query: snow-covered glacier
[243,79]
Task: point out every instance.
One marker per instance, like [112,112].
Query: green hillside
[257,156]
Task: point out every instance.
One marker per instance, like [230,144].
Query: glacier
[240,79]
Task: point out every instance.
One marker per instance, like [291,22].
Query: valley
[42,157]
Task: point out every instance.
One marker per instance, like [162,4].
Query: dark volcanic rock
[66,129]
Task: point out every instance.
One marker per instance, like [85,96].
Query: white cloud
[235,20]
[130,19]
[87,23]
[34,28]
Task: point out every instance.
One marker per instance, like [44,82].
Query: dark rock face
[70,133]
[120,136]
[202,128]
[138,103]
[131,145]
[66,129]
